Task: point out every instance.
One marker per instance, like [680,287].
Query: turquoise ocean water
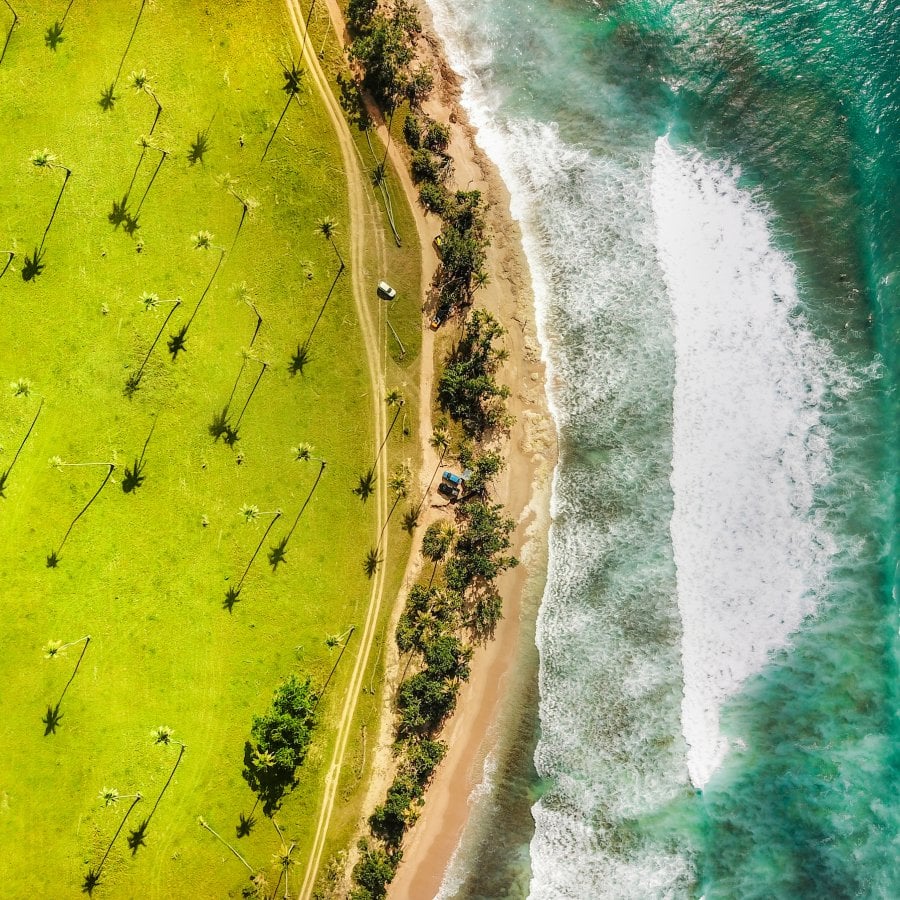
[709,194]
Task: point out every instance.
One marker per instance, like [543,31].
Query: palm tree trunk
[86,507]
[262,372]
[222,840]
[337,252]
[312,490]
[9,468]
[159,165]
[333,668]
[55,208]
[322,310]
[262,540]
[140,371]
[130,39]
[277,126]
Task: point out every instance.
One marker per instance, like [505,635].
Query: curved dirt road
[366,240]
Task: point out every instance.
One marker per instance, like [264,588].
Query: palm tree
[399,485]
[341,640]
[327,227]
[45,161]
[4,477]
[53,556]
[134,477]
[292,83]
[440,440]
[250,514]
[162,735]
[203,824]
[140,82]
[132,383]
[436,543]
[55,650]
[92,879]
[278,552]
[15,22]
[394,398]
[248,206]
[282,859]
[108,97]
[315,325]
[202,241]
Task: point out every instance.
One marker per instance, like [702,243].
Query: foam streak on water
[750,449]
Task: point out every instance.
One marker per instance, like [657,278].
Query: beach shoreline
[524,488]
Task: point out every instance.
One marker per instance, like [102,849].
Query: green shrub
[433,197]
[436,136]
[412,131]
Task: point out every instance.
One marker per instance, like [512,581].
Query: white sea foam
[610,678]
[750,447]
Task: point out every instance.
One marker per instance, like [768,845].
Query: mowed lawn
[145,572]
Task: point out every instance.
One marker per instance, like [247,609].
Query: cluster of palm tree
[137,837]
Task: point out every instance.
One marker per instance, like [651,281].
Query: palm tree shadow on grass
[134,476]
[119,212]
[108,96]
[53,556]
[137,837]
[299,360]
[92,878]
[34,265]
[10,255]
[4,476]
[371,563]
[278,553]
[53,716]
[12,28]
[366,485]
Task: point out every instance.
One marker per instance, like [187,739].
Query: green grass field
[145,572]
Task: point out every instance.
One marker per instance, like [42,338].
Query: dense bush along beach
[708,196]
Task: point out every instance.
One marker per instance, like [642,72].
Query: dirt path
[366,241]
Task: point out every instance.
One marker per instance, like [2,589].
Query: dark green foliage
[419,86]
[279,742]
[467,388]
[479,554]
[374,871]
[359,14]
[422,757]
[485,467]
[436,541]
[433,197]
[412,131]
[385,50]
[423,701]
[399,810]
[447,657]
[436,136]
[426,166]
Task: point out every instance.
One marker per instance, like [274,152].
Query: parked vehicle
[385,291]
